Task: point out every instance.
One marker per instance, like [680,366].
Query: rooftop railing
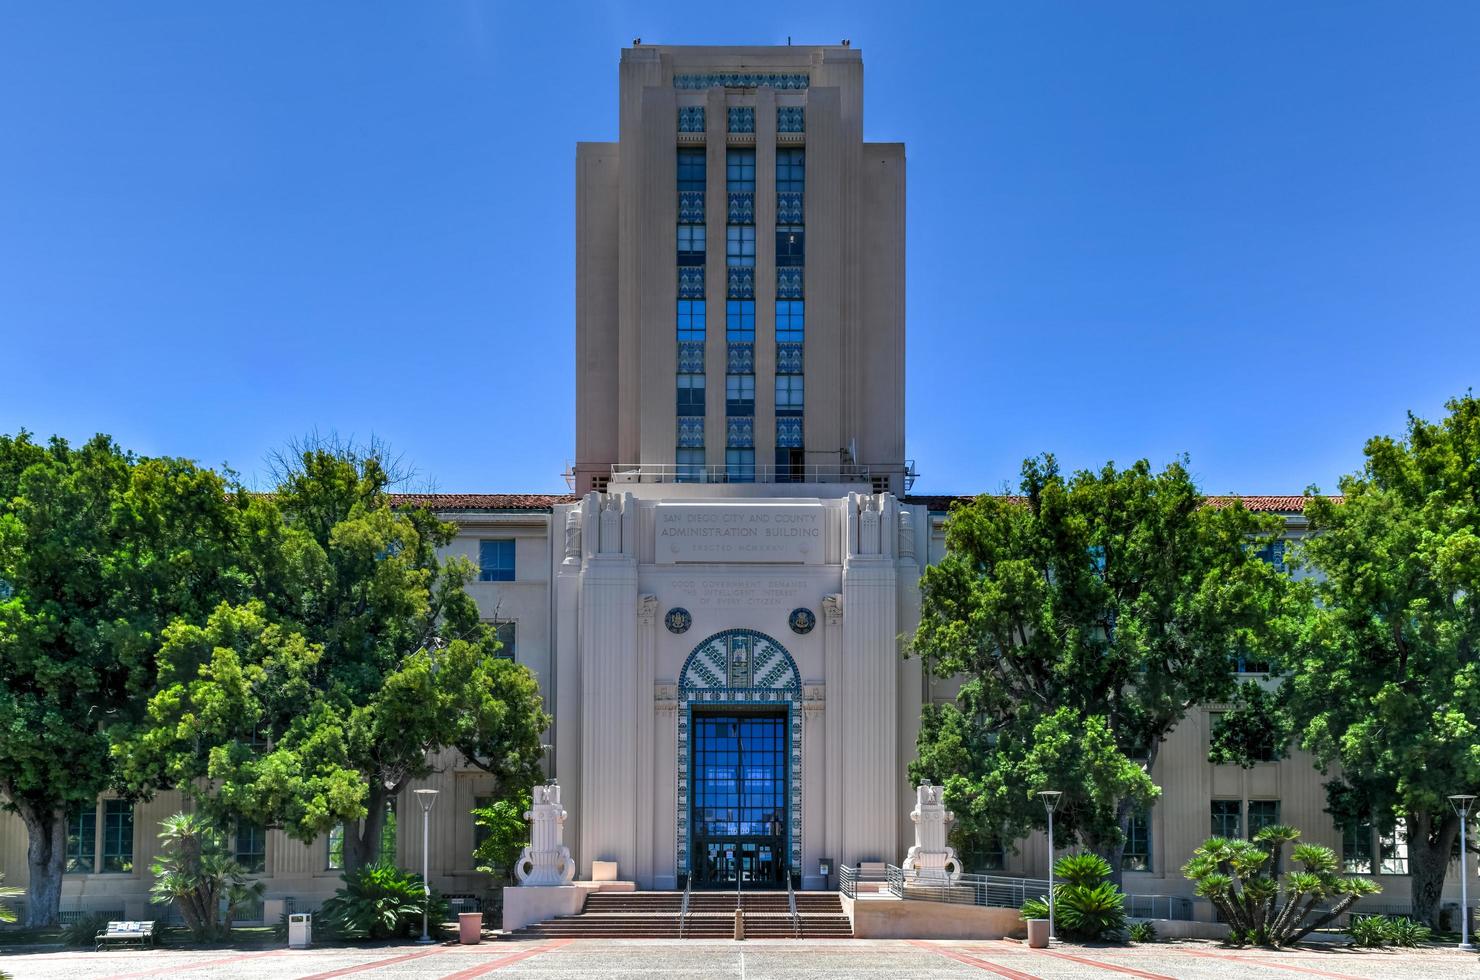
[872,475]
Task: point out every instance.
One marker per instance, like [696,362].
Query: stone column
[564,698]
[643,711]
[608,643]
[870,711]
[833,756]
[912,695]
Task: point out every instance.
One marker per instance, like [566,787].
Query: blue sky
[1245,231]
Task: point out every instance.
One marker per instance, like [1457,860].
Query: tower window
[691,320]
[740,170]
[691,394]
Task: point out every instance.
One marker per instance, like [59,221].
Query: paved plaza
[892,959]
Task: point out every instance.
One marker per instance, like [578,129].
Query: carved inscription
[789,533]
[740,593]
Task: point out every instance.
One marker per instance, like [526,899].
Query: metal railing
[763,473]
[791,908]
[683,908]
[1174,907]
[850,877]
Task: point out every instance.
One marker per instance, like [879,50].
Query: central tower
[740,276]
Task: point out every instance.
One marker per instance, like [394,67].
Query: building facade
[715,614]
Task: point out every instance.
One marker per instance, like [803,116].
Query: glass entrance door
[739,773]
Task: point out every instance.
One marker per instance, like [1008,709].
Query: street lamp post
[1050,798]
[1461,803]
[427,798]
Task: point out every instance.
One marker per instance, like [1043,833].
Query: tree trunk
[1428,860]
[1114,851]
[46,856]
[362,842]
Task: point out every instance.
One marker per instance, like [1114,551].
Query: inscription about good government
[789,533]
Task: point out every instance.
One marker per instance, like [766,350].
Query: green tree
[99,549]
[361,658]
[1387,682]
[1083,619]
[505,835]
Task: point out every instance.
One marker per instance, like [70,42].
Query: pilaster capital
[647,609]
[832,610]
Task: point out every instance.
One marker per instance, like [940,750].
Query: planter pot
[470,928]
[1038,933]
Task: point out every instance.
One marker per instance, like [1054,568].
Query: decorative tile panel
[742,208]
[691,282]
[691,119]
[788,282]
[691,357]
[742,119]
[741,359]
[742,79]
[789,433]
[790,209]
[691,207]
[691,432]
[791,119]
[789,358]
[740,432]
[741,282]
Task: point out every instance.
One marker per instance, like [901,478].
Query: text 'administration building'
[716,616]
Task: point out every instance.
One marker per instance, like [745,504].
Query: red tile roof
[482,501]
[1262,503]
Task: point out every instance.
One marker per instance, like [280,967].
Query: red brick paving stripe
[375,964]
[980,964]
[503,961]
[1130,970]
[181,968]
[1269,963]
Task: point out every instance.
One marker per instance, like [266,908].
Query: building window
[740,465]
[505,631]
[496,560]
[740,245]
[334,858]
[1274,554]
[251,847]
[791,170]
[790,245]
[1263,813]
[691,169]
[691,244]
[791,321]
[740,170]
[740,321]
[1245,664]
[1356,847]
[1392,849]
[82,840]
[739,394]
[691,394]
[690,465]
[691,320]
[1228,819]
[118,837]
[1137,853]
[789,394]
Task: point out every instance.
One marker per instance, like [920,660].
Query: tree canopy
[1083,620]
[1386,687]
[360,657]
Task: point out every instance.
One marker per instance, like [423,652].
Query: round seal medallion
[801,620]
[678,620]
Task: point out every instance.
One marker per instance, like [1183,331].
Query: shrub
[1369,931]
[506,835]
[380,901]
[1086,906]
[1404,931]
[1142,932]
[83,930]
[1241,879]
[196,872]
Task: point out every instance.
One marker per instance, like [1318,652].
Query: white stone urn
[931,859]
[546,861]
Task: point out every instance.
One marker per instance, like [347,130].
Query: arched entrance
[739,762]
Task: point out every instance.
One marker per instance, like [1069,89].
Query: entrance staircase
[655,915]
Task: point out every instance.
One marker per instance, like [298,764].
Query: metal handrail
[791,907]
[847,881]
[683,908]
[761,472]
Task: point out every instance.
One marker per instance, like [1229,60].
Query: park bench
[141,933]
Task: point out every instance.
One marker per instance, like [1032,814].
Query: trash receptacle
[300,930]
[470,928]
